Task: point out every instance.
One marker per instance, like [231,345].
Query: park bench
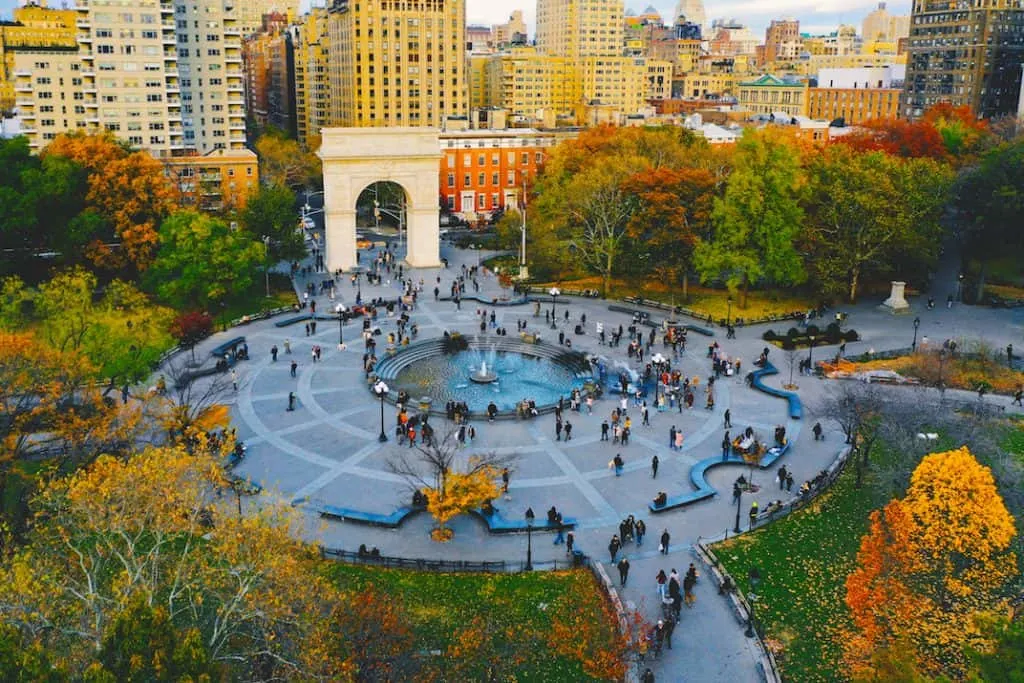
[795,405]
[496,524]
[391,521]
[675,502]
[222,350]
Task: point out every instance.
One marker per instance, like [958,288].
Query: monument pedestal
[897,302]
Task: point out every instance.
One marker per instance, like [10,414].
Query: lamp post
[960,287]
[728,315]
[554,292]
[523,271]
[342,317]
[381,389]
[738,493]
[810,354]
[917,324]
[266,271]
[529,539]
[755,578]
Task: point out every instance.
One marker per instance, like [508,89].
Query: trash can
[577,558]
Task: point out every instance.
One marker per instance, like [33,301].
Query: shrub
[788,345]
[833,333]
[813,329]
[851,336]
[769,335]
[793,333]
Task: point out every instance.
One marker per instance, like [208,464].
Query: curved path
[327,452]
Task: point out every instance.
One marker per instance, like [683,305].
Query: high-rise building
[512,31]
[312,81]
[580,28]
[965,54]
[879,25]
[35,27]
[782,41]
[270,74]
[250,13]
[163,75]
[691,11]
[397,63]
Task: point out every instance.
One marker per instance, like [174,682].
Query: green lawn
[804,560]
[255,299]
[439,605]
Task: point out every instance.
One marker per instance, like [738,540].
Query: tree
[190,328]
[870,213]
[283,161]
[373,639]
[990,198]
[270,215]
[1002,660]
[898,137]
[509,231]
[929,565]
[961,131]
[758,219]
[203,261]
[128,190]
[452,483]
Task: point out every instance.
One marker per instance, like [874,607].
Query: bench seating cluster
[222,350]
[698,477]
[496,524]
[795,406]
[517,301]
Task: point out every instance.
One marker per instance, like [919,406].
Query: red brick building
[483,171]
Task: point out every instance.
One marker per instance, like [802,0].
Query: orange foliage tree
[128,190]
[928,566]
[898,137]
[458,493]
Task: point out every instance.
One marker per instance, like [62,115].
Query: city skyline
[816,16]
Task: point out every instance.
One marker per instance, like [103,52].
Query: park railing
[728,587]
[444,566]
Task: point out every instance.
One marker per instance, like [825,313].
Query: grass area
[1005,292]
[516,608]
[255,299]
[803,560]
[704,300]
[957,373]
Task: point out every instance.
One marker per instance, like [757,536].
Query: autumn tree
[898,137]
[270,215]
[962,133]
[127,190]
[453,482]
[756,222]
[929,565]
[373,639]
[190,328]
[285,163]
[870,214]
[202,261]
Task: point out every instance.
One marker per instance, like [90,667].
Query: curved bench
[222,350]
[519,301]
[698,477]
[391,521]
[496,524]
[795,405]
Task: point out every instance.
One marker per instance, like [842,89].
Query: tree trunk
[686,288]
[980,295]
[854,280]
[743,292]
[605,283]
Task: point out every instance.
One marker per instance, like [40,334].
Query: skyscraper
[397,63]
[692,10]
[965,54]
[580,28]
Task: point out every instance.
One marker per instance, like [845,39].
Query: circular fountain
[483,375]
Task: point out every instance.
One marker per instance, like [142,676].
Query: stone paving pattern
[327,449]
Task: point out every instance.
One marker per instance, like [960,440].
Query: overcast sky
[816,16]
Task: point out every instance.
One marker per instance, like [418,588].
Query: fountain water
[482,376]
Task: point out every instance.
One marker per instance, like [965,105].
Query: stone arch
[355,158]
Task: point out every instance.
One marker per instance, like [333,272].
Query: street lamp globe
[381,390]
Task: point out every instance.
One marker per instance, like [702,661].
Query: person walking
[818,436]
[665,538]
[124,395]
[273,353]
[672,437]
[291,401]
[647,677]
[688,596]
[568,430]
[570,543]
[287,346]
[623,571]
[558,429]
[782,476]
[504,480]
[613,547]
[295,366]
[639,530]
[654,466]
[560,535]
[670,626]
[662,581]
[726,447]
[728,418]
[645,415]
[604,430]
[753,514]
[789,482]
[617,463]
[234,379]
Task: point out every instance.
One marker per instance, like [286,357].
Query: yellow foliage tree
[929,565]
[458,493]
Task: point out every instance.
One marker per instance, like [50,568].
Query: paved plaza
[327,451]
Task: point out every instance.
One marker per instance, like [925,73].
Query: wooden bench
[496,524]
[391,521]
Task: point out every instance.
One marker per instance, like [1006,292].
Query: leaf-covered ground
[522,606]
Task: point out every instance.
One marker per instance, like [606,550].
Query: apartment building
[580,28]
[782,41]
[251,13]
[512,31]
[853,105]
[770,95]
[880,25]
[51,94]
[35,27]
[397,62]
[221,180]
[483,171]
[269,63]
[312,75]
[966,54]
[531,85]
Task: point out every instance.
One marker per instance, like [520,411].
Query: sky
[816,16]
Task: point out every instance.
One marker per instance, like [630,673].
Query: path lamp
[266,270]
[554,292]
[960,287]
[917,324]
[755,578]
[810,353]
[529,539]
[738,493]
[728,315]
[381,390]
[342,318]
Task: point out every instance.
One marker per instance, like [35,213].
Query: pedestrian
[782,476]
[663,547]
[307,329]
[753,514]
[726,447]
[670,626]
[647,677]
[617,462]
[654,467]
[639,530]
[613,547]
[662,583]
[672,437]
[570,542]
[504,480]
[273,352]
[568,430]
[728,419]
[560,535]
[789,482]
[558,429]
[818,436]
[234,379]
[688,590]
[287,346]
[604,430]
[294,368]
[679,440]
[646,421]
[124,394]
[949,301]
[291,401]
[623,571]
[1018,396]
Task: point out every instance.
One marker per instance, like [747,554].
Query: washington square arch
[354,159]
